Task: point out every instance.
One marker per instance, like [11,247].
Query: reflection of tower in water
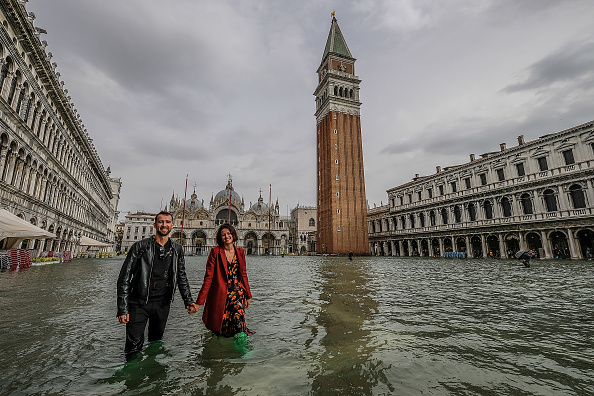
[347,365]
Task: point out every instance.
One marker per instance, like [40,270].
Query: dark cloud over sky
[205,88]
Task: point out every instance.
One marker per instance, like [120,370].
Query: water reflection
[221,361]
[347,312]
[144,373]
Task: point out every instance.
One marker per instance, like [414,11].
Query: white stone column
[441,250]
[502,250]
[563,203]
[523,245]
[574,250]
[484,246]
[546,244]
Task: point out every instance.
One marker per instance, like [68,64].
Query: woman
[225,292]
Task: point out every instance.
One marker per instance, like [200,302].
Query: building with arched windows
[261,229]
[537,195]
[303,228]
[50,172]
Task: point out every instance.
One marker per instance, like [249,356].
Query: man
[152,270]
[525,258]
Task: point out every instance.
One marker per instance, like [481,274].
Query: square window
[542,164]
[430,191]
[440,190]
[500,174]
[568,157]
[467,182]
[453,184]
[483,177]
[520,169]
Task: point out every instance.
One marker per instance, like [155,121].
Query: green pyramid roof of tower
[336,42]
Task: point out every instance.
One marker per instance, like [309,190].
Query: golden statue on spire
[333,13]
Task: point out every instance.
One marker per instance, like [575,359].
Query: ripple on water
[324,325]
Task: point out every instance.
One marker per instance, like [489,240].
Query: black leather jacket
[135,275]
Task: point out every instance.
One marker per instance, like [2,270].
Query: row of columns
[381,247]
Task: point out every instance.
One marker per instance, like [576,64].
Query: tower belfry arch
[342,206]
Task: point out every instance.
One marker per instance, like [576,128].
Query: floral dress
[234,315]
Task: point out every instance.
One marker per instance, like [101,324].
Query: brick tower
[342,207]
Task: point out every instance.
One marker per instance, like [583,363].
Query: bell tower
[342,206]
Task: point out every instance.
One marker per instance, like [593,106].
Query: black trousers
[155,313]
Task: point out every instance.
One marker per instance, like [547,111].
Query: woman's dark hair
[220,231]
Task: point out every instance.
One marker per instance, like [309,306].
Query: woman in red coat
[225,292]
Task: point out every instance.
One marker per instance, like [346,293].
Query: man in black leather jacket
[152,270]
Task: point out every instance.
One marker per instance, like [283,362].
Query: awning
[86,241]
[16,229]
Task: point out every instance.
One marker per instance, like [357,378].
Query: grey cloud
[571,63]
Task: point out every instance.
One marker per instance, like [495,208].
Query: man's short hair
[163,212]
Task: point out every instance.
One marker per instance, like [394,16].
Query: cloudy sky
[204,88]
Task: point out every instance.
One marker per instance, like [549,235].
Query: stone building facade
[342,206]
[50,172]
[537,195]
[302,230]
[136,227]
[260,231]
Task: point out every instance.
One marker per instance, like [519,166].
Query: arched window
[312,222]
[526,204]
[488,209]
[506,206]
[577,196]
[550,200]
[422,219]
[432,218]
[403,222]
[412,221]
[351,94]
[457,214]
[472,212]
[444,216]
[340,92]
[335,91]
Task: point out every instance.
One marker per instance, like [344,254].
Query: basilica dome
[223,195]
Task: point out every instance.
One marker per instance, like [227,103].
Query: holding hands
[193,308]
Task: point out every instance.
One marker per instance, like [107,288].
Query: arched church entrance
[199,242]
[250,243]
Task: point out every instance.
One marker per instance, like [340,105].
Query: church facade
[50,172]
[260,227]
[341,206]
[536,195]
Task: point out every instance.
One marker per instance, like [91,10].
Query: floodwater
[324,326]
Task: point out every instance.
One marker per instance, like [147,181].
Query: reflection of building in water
[537,195]
[342,208]
[260,230]
[50,172]
[303,230]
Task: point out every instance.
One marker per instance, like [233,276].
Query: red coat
[214,287]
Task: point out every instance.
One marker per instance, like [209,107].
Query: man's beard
[163,234]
